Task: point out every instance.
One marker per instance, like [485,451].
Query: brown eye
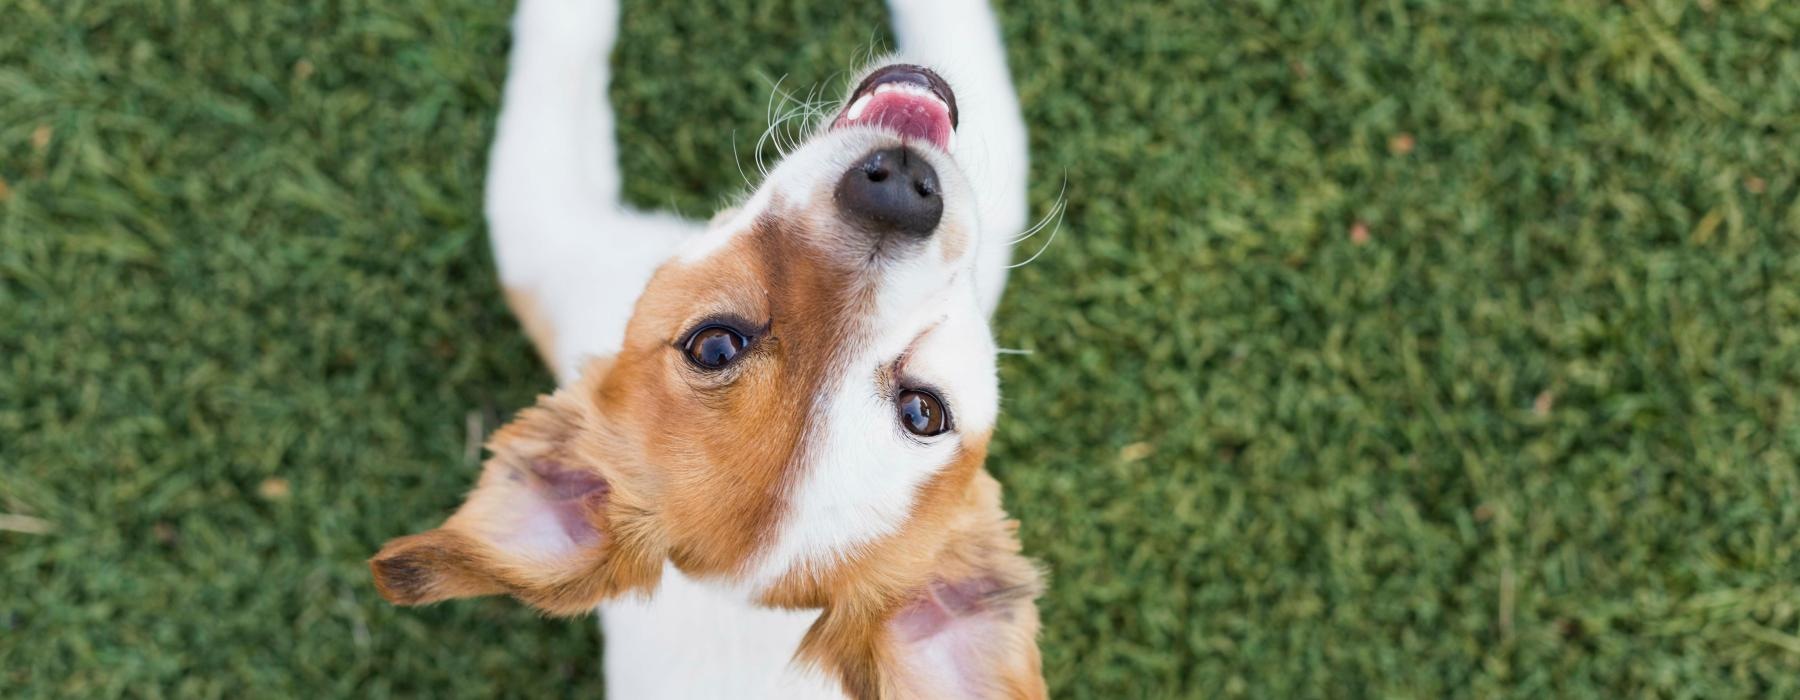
[714,347]
[922,413]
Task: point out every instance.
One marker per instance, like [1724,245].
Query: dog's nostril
[892,190]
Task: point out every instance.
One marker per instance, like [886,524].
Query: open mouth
[909,100]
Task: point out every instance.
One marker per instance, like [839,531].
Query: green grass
[1531,429]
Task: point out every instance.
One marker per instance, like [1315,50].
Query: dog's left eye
[922,413]
[713,347]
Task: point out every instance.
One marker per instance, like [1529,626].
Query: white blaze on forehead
[794,181]
[719,234]
[862,471]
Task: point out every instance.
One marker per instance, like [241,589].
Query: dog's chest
[694,640]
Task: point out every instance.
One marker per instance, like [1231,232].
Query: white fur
[561,235]
[697,640]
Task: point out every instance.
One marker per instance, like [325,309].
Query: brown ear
[969,637]
[968,631]
[548,523]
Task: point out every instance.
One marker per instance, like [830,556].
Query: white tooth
[884,87]
[950,143]
[857,107]
[922,91]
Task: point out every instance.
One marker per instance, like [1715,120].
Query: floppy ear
[547,523]
[968,631]
[968,637]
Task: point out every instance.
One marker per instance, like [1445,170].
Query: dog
[765,461]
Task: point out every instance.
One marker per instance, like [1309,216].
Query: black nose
[893,189]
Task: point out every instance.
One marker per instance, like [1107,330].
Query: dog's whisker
[785,95]
[779,113]
[1047,242]
[794,120]
[776,113]
[756,153]
[810,111]
[815,107]
[738,159]
[1056,210]
[774,89]
[1027,234]
[761,167]
[776,135]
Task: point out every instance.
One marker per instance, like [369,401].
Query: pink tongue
[912,115]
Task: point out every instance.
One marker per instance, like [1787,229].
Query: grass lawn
[1400,349]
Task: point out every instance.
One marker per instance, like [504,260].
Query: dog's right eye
[922,413]
[713,347]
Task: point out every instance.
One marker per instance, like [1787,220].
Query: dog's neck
[698,639]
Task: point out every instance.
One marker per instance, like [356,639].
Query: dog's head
[800,411]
